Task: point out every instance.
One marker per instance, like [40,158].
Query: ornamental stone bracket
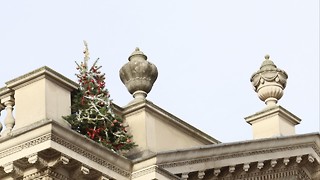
[11,170]
[59,161]
[37,161]
[275,158]
[55,163]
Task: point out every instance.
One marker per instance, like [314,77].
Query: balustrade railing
[1,108]
[7,103]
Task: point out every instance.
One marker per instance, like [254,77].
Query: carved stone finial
[269,82]
[138,75]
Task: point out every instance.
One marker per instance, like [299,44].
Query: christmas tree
[92,109]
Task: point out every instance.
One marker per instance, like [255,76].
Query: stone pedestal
[41,94]
[273,122]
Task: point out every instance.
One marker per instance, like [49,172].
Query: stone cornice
[154,169]
[245,149]
[38,74]
[154,109]
[276,110]
[4,92]
[83,146]
[47,131]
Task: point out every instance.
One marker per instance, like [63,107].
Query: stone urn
[269,82]
[138,75]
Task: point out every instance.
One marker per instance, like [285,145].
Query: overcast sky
[205,52]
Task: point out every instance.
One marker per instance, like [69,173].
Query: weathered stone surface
[138,75]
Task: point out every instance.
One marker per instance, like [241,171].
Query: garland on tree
[92,109]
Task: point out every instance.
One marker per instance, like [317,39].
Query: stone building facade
[36,143]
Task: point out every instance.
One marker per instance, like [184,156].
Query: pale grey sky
[205,51]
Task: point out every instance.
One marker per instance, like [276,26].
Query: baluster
[1,108]
[9,121]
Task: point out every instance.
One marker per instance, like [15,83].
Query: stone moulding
[264,114]
[49,173]
[236,155]
[77,148]
[153,169]
[213,155]
[90,156]
[25,145]
[38,74]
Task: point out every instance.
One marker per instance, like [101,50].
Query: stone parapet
[41,94]
[155,130]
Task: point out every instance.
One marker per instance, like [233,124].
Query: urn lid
[136,53]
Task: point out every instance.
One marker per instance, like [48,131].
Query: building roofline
[186,127]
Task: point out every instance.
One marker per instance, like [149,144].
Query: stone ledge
[38,74]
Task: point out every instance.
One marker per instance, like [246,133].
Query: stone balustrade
[7,103]
[39,95]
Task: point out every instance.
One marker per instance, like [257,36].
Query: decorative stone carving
[246,167]
[310,158]
[65,160]
[138,75]
[185,176]
[260,165]
[216,172]
[33,158]
[269,82]
[37,161]
[84,170]
[299,159]
[201,174]
[8,168]
[12,169]
[286,161]
[232,169]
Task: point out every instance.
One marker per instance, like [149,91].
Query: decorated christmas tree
[92,109]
